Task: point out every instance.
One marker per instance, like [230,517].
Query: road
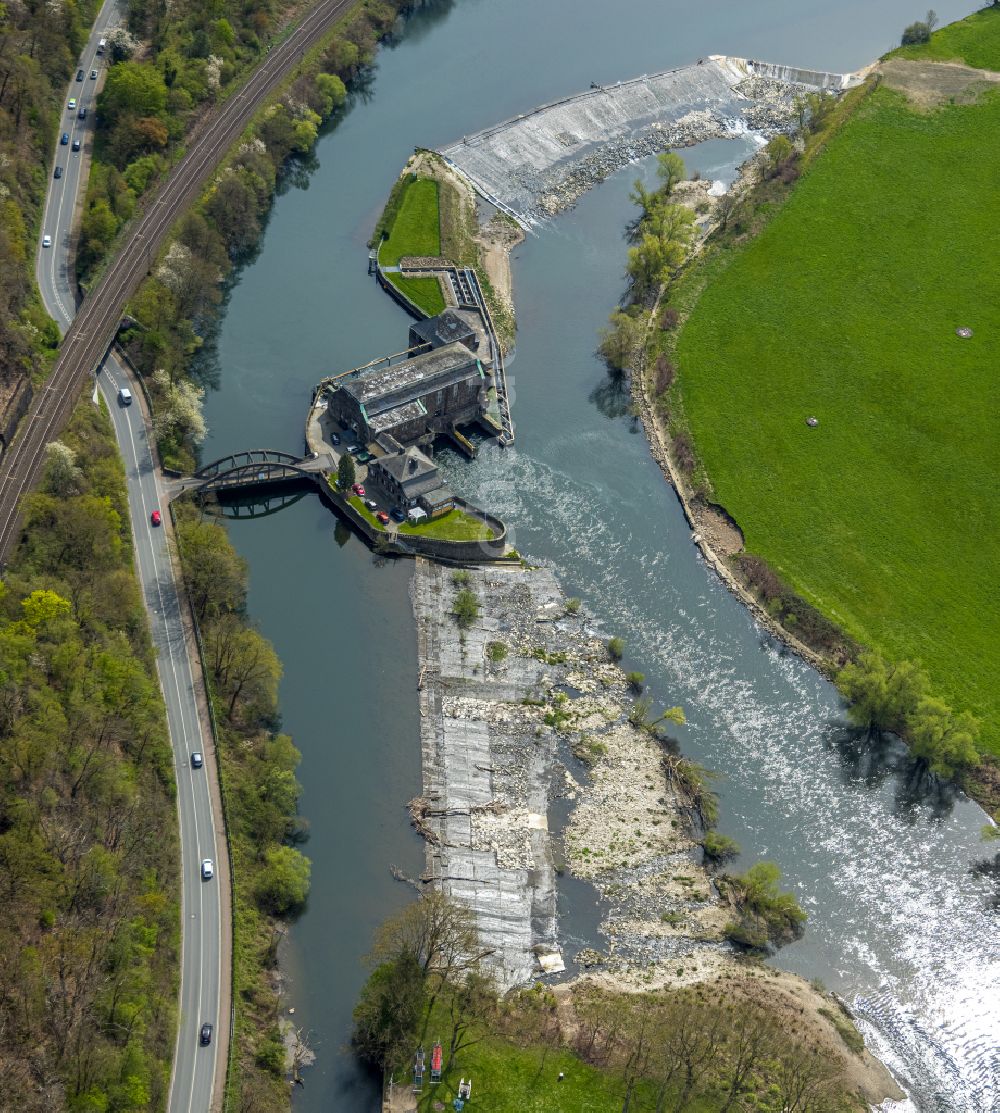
[205,905]
[94,326]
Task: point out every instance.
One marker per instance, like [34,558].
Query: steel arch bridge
[254,468]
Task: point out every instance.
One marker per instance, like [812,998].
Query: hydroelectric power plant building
[413,400]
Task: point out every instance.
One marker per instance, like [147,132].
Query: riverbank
[524,706]
[867,535]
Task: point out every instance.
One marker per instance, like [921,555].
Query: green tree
[670,170]
[388,1013]
[214,573]
[943,741]
[132,89]
[621,343]
[345,472]
[283,884]
[882,695]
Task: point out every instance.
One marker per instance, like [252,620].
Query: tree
[438,931]
[880,695]
[244,664]
[283,885]
[920,31]
[179,416]
[388,1012]
[345,472]
[214,573]
[670,170]
[621,343]
[944,742]
[131,89]
[62,476]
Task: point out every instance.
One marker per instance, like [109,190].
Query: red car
[358,490]
[155,518]
[382,517]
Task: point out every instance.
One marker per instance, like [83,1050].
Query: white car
[72,103]
[207,869]
[46,241]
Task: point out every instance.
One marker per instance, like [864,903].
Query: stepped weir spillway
[539,163]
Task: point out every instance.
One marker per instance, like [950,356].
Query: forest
[88,849]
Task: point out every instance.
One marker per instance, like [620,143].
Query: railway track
[88,338]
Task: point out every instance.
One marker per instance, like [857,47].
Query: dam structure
[538,164]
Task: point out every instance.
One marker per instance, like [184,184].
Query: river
[896,919]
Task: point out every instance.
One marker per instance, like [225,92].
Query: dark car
[397,515]
[206,1034]
[82,114]
[79,75]
[76,144]
[64,138]
[196,760]
[334,439]
[58,172]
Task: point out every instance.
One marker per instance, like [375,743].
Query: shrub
[663,374]
[573,606]
[719,848]
[616,648]
[669,318]
[496,651]
[466,608]
[637,681]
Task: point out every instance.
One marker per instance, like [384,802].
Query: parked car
[64,138]
[397,515]
[79,75]
[382,517]
[334,439]
[72,103]
[371,504]
[206,1034]
[93,75]
[82,114]
[155,518]
[76,144]
[196,760]
[57,173]
[207,869]
[46,241]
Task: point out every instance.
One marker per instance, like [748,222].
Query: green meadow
[886,515]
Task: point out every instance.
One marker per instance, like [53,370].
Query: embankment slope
[846,308]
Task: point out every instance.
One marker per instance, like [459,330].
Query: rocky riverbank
[525,705]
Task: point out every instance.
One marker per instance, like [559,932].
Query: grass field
[456,525]
[415,231]
[975,41]
[417,227]
[886,516]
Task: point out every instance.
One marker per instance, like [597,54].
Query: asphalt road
[195,1067]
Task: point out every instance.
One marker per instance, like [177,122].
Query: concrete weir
[486,770]
[538,164]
